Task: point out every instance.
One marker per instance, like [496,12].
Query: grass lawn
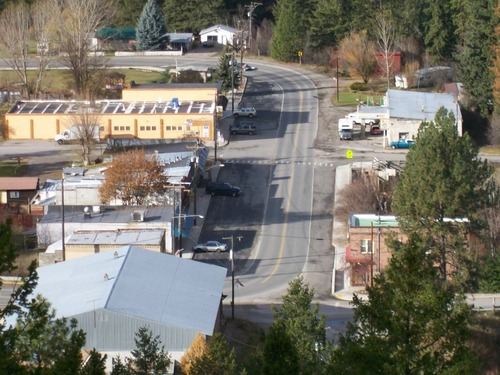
[60,79]
[12,169]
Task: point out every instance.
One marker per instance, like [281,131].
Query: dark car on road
[222,188]
[243,127]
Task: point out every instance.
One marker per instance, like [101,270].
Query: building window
[122,128]
[179,128]
[142,128]
[153,128]
[168,127]
[366,246]
[127,128]
[148,128]
[14,194]
[101,128]
[115,128]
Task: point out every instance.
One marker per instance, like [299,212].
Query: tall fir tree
[216,358]
[149,356]
[279,356]
[227,72]
[290,30]
[151,28]
[330,23]
[302,323]
[439,31]
[194,15]
[128,12]
[407,324]
[475,26]
[444,181]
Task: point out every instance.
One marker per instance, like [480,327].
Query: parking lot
[45,159]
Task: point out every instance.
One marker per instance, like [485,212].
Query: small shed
[17,192]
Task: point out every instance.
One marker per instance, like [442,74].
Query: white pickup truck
[78,132]
[356,118]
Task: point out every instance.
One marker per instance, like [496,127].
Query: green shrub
[359,86]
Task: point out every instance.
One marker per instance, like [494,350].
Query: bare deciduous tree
[79,20]
[20,24]
[359,53]
[86,124]
[134,177]
[385,32]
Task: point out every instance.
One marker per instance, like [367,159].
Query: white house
[218,34]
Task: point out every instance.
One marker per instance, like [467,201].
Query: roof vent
[106,276]
[138,216]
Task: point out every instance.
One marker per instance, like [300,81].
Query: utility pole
[231,256]
[62,219]
[251,8]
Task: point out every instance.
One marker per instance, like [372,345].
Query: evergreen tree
[18,302]
[194,15]
[476,21]
[303,324]
[489,281]
[217,359]
[149,357]
[120,367]
[46,343]
[96,364]
[444,179]
[408,324]
[151,28]
[330,23]
[224,72]
[439,30]
[290,30]
[128,12]
[196,350]
[279,355]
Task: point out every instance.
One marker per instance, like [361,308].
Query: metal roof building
[113,294]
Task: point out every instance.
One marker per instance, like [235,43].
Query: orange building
[159,111]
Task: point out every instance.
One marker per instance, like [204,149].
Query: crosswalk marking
[278,162]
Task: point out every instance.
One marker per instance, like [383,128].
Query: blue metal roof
[139,283]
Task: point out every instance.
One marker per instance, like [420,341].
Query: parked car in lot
[402,143]
[345,134]
[243,127]
[210,246]
[245,112]
[222,188]
[375,130]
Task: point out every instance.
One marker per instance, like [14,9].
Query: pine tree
[279,354]
[96,364]
[216,359]
[302,323]
[326,30]
[151,28]
[290,30]
[476,21]
[149,357]
[408,324]
[197,349]
[194,15]
[444,180]
[224,72]
[439,36]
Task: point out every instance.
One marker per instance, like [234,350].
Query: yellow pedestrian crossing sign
[348,154]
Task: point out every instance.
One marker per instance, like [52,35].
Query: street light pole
[231,256]
[62,219]
[232,82]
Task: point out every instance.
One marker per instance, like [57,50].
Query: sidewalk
[202,204]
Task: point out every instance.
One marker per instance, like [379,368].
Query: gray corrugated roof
[419,105]
[118,237]
[110,214]
[139,283]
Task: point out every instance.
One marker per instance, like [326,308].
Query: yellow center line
[288,204]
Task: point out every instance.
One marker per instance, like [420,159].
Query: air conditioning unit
[138,216]
[97,209]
